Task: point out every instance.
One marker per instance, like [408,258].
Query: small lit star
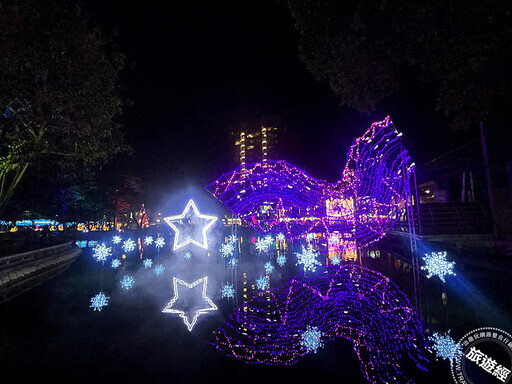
[187,255]
[228,291]
[148,240]
[268,267]
[128,245]
[262,283]
[115,263]
[127,282]
[312,339]
[99,301]
[281,260]
[148,263]
[159,270]
[159,242]
[116,239]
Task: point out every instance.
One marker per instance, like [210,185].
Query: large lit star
[211,306]
[177,219]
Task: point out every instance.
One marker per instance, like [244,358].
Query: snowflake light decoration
[159,242]
[281,260]
[232,239]
[269,240]
[148,263]
[115,263]
[128,245]
[227,249]
[308,259]
[232,262]
[280,237]
[101,252]
[159,270]
[148,240]
[127,282]
[261,245]
[187,255]
[268,267]
[116,239]
[310,236]
[228,291]
[437,265]
[262,283]
[99,301]
[335,260]
[312,339]
[445,346]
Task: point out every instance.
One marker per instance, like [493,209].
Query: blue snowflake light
[116,239]
[445,346]
[268,267]
[159,270]
[148,240]
[227,249]
[128,245]
[312,339]
[280,237]
[437,265]
[187,255]
[115,263]
[232,239]
[269,240]
[335,260]
[232,262]
[99,301]
[127,282]
[262,283]
[101,252]
[228,291]
[159,242]
[148,263]
[281,260]
[261,245]
[308,259]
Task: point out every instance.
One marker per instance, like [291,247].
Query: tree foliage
[362,48]
[58,88]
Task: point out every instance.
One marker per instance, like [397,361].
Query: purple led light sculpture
[351,302]
[362,206]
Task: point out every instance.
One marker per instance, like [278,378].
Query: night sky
[196,70]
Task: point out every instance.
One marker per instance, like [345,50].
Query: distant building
[256,146]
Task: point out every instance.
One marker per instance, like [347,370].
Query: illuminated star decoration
[115,263]
[209,221]
[101,252]
[187,255]
[227,249]
[280,237]
[148,263]
[128,245]
[281,260]
[312,339]
[127,282]
[268,267]
[262,283]
[445,346]
[308,259]
[437,265]
[116,239]
[228,291]
[159,242]
[169,308]
[232,262]
[261,245]
[99,301]
[159,270]
[335,260]
[148,240]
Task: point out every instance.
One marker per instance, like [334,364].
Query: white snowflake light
[159,270]
[335,260]
[227,249]
[437,265]
[128,245]
[308,259]
[268,267]
[115,263]
[159,242]
[187,255]
[281,260]
[261,245]
[280,237]
[127,282]
[232,262]
[116,239]
[262,283]
[148,263]
[445,346]
[232,239]
[101,252]
[312,339]
[228,291]
[269,240]
[310,236]
[148,240]
[99,301]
